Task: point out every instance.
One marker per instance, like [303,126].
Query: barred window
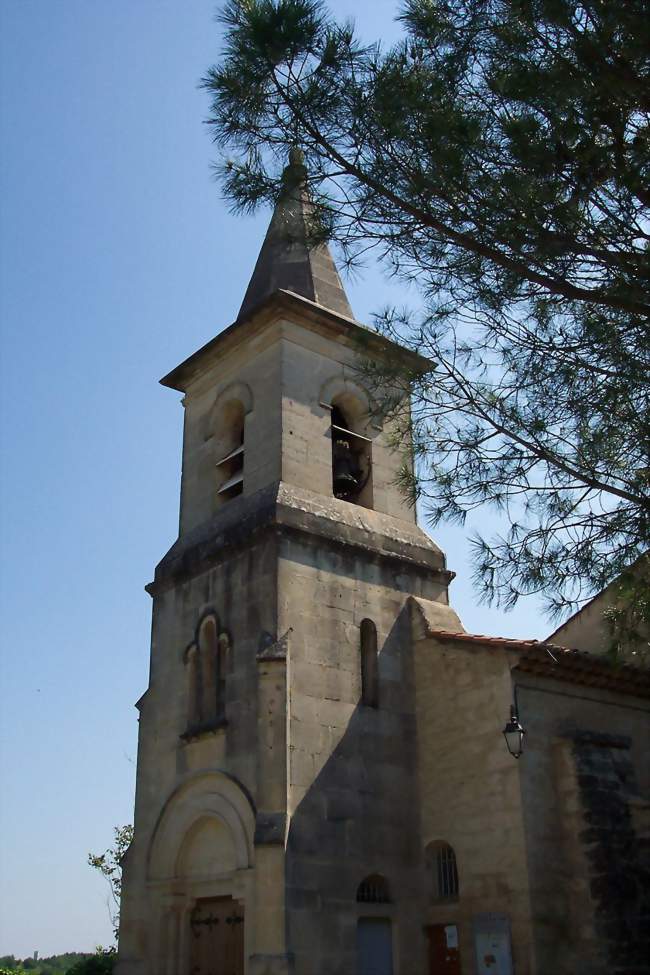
[441,861]
[373,890]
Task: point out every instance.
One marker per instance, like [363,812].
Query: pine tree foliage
[498,157]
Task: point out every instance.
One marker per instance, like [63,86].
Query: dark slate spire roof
[287,261]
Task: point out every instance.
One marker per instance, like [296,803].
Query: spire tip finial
[296,156]
[293,256]
[295,172]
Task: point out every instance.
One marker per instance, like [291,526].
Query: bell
[345,469]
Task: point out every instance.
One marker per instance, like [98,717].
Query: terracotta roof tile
[561,663]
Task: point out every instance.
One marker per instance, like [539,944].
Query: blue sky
[118,259]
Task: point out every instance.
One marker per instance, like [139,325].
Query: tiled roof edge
[561,663]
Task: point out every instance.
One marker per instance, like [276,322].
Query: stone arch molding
[203,797]
[340,386]
[239,391]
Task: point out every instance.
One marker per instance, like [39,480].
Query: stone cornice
[309,315]
[281,510]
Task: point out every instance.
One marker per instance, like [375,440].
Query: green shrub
[100,964]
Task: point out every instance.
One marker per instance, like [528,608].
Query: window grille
[447,872]
[373,890]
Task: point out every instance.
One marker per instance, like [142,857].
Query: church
[323,783]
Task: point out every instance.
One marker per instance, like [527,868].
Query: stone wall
[241,589]
[253,377]
[286,377]
[470,791]
[589,629]
[353,789]
[578,790]
[315,371]
[617,856]
[550,841]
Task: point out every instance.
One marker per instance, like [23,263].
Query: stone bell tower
[276,817]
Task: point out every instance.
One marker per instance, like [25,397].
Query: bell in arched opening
[348,477]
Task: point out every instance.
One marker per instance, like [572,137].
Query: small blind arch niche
[369,664]
[351,433]
[207,661]
[373,889]
[442,869]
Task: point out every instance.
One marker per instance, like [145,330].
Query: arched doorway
[200,876]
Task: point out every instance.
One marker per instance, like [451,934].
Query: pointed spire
[287,261]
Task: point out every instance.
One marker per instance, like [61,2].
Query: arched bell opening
[351,452]
[230,451]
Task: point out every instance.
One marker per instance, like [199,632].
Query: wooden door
[217,937]
[444,956]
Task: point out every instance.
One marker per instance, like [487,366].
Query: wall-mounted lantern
[514,735]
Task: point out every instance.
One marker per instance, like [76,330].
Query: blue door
[374,946]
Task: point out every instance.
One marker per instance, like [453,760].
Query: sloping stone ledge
[285,509]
